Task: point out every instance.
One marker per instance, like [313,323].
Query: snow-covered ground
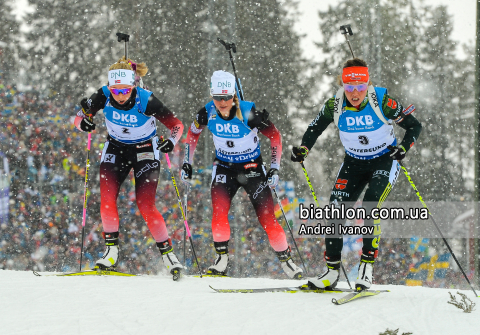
[157,305]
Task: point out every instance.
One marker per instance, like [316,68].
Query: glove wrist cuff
[172,140]
[306,149]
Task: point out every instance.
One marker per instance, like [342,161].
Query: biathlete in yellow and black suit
[364,115]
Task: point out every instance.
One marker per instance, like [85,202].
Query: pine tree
[63,53]
[442,158]
[9,37]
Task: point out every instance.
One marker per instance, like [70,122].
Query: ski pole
[324,221]
[124,37]
[290,229]
[436,226]
[85,196]
[347,30]
[187,229]
[185,200]
[231,47]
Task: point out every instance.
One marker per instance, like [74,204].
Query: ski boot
[109,259]
[365,271]
[288,265]
[328,279]
[169,259]
[219,268]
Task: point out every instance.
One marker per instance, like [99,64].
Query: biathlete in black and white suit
[235,126]
[130,115]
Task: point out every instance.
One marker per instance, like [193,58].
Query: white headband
[121,76]
[222,83]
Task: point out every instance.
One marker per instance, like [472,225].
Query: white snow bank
[157,305]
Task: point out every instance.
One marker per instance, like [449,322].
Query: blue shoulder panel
[209,108]
[245,108]
[106,91]
[143,94]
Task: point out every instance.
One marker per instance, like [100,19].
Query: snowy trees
[9,37]
[410,51]
[71,44]
[407,45]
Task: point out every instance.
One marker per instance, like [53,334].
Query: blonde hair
[124,64]
[237,104]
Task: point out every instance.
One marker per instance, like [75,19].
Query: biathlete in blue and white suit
[235,126]
[132,143]
[363,114]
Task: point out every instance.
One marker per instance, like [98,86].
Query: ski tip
[36,273]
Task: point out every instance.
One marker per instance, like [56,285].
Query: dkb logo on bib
[227,128]
[359,121]
[124,117]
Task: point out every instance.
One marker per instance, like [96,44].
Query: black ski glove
[165,146]
[299,154]
[87,123]
[397,153]
[186,172]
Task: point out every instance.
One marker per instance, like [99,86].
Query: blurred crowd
[47,157]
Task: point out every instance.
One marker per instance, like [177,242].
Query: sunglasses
[359,88]
[222,97]
[124,91]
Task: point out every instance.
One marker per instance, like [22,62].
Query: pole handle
[347,30]
[231,47]
[124,37]
[228,46]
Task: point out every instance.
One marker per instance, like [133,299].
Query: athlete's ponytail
[140,69]
[237,104]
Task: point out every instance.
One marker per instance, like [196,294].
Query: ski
[355,296]
[292,289]
[210,276]
[95,272]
